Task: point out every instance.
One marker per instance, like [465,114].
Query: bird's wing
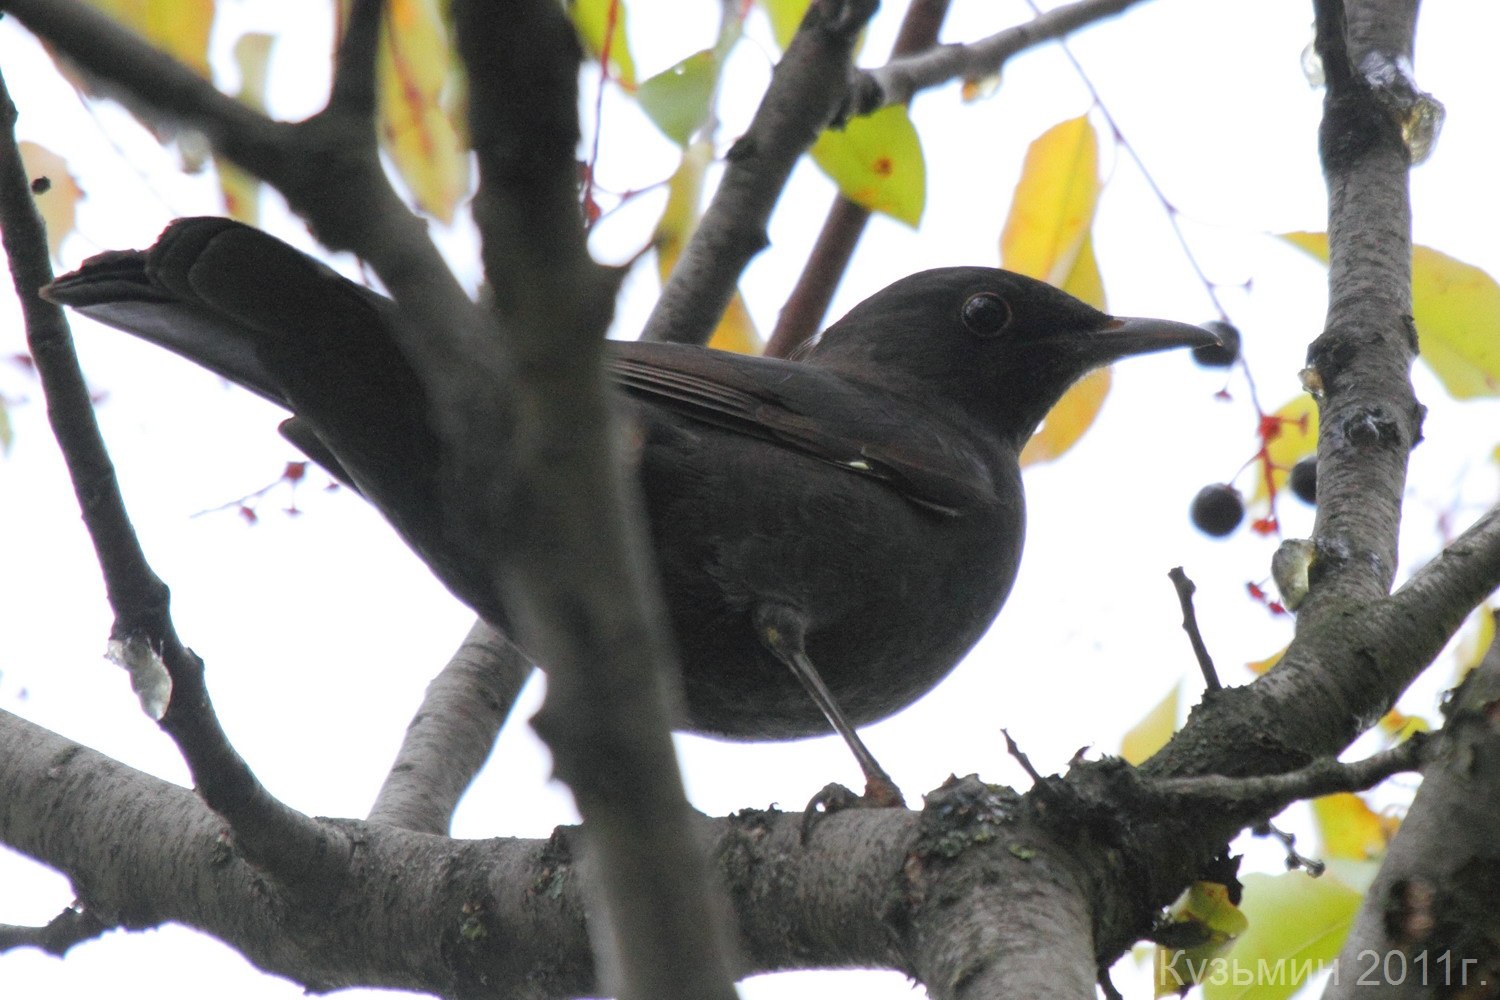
[811,411]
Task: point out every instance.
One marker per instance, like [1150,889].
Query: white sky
[320,631]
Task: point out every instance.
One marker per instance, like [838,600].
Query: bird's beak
[1123,336]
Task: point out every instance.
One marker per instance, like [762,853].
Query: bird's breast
[894,593]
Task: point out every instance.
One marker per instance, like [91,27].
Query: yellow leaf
[1084,281]
[1349,828]
[1258,667]
[876,160]
[180,27]
[1296,925]
[1293,433]
[54,190]
[416,69]
[736,332]
[1477,639]
[1152,732]
[252,54]
[598,20]
[1400,726]
[1067,421]
[1456,307]
[1207,905]
[1047,236]
[1052,210]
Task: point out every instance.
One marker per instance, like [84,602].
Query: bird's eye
[986,314]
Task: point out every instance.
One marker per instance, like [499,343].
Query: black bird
[855,516]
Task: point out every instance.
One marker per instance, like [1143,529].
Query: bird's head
[989,345]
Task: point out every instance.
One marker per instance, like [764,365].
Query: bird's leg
[784,632]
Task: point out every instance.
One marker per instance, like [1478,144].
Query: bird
[832,532]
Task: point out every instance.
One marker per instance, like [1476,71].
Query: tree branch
[1369,418]
[1273,792]
[805,92]
[577,574]
[71,926]
[452,734]
[898,80]
[1433,900]
[353,91]
[168,676]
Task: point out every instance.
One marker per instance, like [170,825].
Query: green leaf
[1297,924]
[596,20]
[786,17]
[877,162]
[677,98]
[1456,307]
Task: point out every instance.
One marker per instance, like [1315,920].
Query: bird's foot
[880,793]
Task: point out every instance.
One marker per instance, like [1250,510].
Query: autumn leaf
[876,160]
[1258,667]
[1152,732]
[1349,828]
[241,190]
[178,27]
[598,20]
[1052,210]
[735,332]
[1292,433]
[1456,307]
[1047,236]
[54,190]
[1206,907]
[1068,420]
[416,73]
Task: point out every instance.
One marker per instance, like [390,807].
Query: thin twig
[1324,776]
[1015,751]
[1185,590]
[72,926]
[899,79]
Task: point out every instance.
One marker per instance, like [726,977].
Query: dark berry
[1217,510]
[1223,354]
[1304,479]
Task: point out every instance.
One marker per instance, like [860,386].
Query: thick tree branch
[1433,901]
[1359,368]
[452,734]
[167,674]
[805,92]
[353,92]
[579,583]
[499,917]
